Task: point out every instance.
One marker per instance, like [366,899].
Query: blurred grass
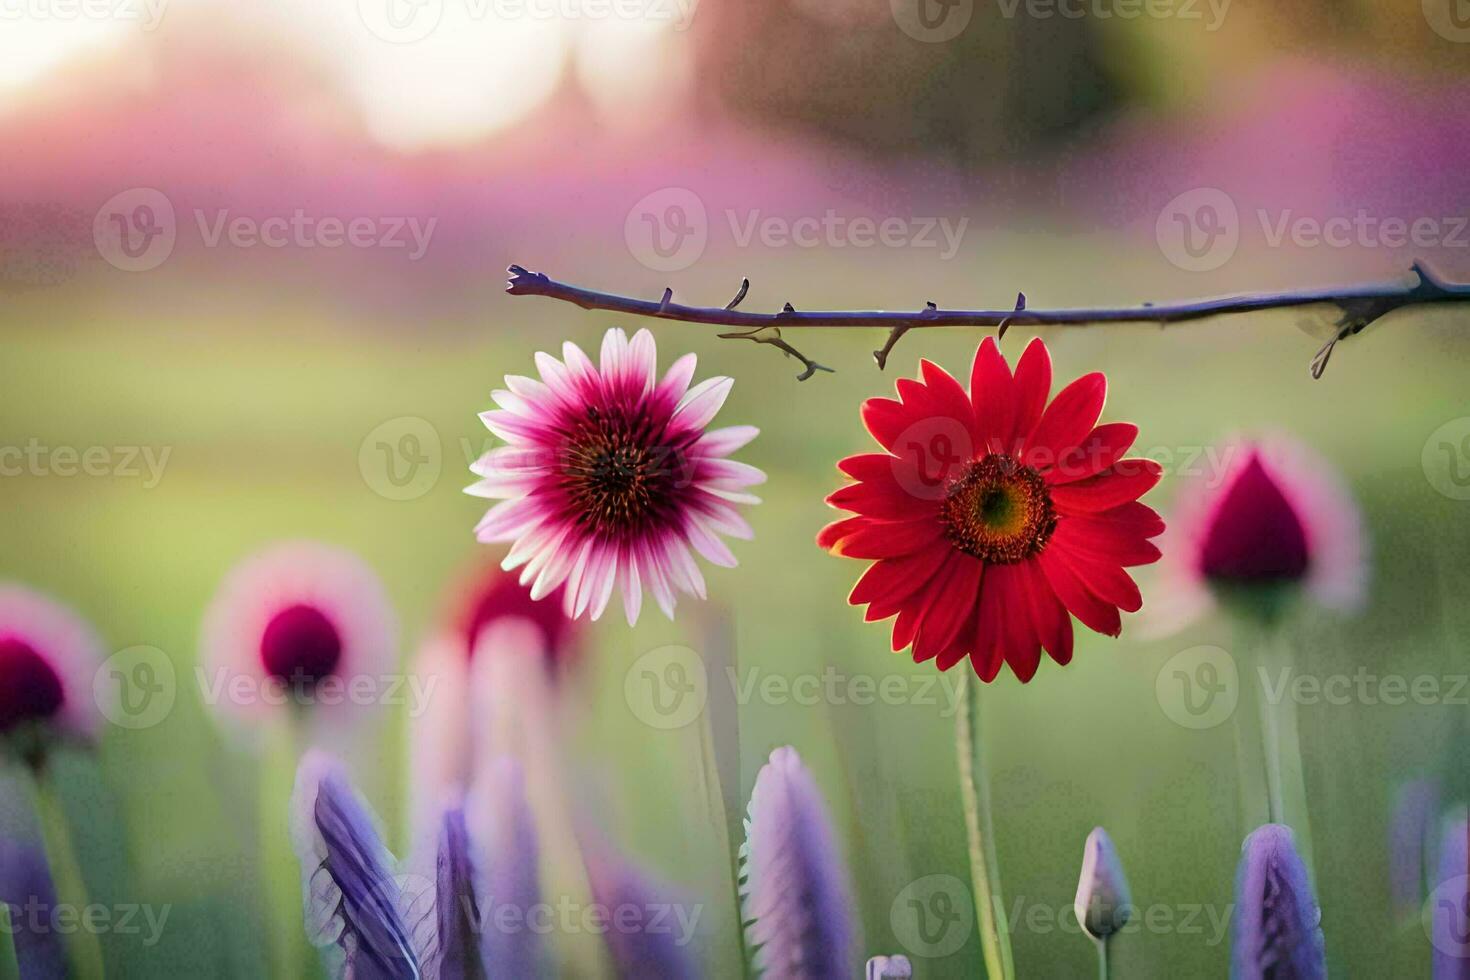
[264,409]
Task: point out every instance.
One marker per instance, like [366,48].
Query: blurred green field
[265,408]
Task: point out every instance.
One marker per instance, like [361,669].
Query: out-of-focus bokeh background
[263,245]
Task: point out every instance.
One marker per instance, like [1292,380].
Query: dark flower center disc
[300,646]
[30,689]
[999,510]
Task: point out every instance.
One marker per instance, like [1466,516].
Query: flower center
[30,690]
[999,510]
[300,646]
[615,474]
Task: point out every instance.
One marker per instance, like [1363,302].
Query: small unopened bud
[890,968]
[1104,903]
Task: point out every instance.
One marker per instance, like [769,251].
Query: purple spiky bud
[1276,930]
[1448,908]
[796,890]
[1104,903]
[1412,828]
[25,886]
[354,905]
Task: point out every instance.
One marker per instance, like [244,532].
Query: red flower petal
[892,580]
[1033,387]
[1095,614]
[867,466]
[992,391]
[1066,421]
[950,609]
[1022,648]
[1102,448]
[887,539]
[1135,518]
[947,393]
[1048,615]
[987,654]
[1124,483]
[1104,579]
[913,613]
[886,420]
[1098,537]
[885,500]
[830,536]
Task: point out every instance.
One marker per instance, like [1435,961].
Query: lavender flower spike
[617,883]
[1104,903]
[502,835]
[1448,909]
[795,888]
[352,899]
[25,885]
[454,954]
[1412,826]
[1276,929]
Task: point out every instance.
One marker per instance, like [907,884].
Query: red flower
[993,515]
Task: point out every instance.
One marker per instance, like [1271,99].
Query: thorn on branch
[663,304]
[1006,323]
[896,334]
[739,296]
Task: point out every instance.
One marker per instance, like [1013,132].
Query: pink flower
[608,476]
[48,657]
[298,622]
[491,594]
[1274,521]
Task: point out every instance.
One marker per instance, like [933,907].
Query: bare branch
[1359,306]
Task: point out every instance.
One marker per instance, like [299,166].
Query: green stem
[1103,971]
[280,873]
[9,964]
[1271,744]
[995,938]
[83,950]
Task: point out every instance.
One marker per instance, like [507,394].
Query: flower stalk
[83,951]
[995,937]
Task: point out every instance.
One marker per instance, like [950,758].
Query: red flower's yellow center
[999,510]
